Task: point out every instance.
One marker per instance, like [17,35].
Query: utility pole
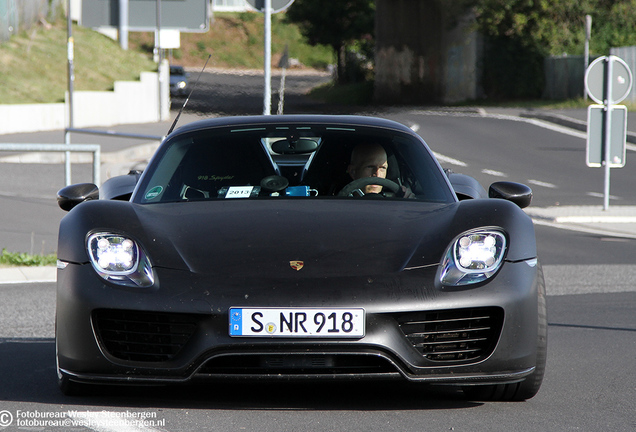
[123,24]
[586,55]
[71,77]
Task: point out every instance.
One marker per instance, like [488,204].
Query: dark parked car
[260,247]
[178,81]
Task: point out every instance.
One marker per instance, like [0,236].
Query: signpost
[608,81]
[268,7]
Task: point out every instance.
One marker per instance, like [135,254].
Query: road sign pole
[586,55]
[608,80]
[267,99]
[268,7]
[70,52]
[123,24]
[607,136]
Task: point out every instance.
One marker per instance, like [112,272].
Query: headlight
[119,259]
[473,257]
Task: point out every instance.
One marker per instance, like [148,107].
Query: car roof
[317,119]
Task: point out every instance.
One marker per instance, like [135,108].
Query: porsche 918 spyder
[299,247]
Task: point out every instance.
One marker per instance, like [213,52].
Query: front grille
[296,364]
[454,336]
[143,336]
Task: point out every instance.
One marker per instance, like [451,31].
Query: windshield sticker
[239,192]
[154,192]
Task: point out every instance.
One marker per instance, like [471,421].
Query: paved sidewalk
[18,275]
[616,221]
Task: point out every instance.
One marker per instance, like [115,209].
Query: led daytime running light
[120,260]
[473,257]
[479,252]
[113,254]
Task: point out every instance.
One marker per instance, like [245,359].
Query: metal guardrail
[114,133]
[65,148]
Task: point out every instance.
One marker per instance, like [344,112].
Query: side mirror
[518,193]
[466,187]
[120,187]
[70,196]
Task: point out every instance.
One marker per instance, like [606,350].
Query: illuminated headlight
[473,257]
[120,260]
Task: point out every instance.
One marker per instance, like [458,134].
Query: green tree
[520,33]
[341,24]
[557,27]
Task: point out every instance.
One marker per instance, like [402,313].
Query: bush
[24,259]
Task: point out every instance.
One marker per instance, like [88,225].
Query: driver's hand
[407,192]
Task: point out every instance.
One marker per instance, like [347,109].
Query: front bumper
[177,331]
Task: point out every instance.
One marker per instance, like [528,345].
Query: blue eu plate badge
[236,321]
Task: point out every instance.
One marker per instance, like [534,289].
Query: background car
[178,81]
[247,249]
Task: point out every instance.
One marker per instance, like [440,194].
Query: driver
[370,160]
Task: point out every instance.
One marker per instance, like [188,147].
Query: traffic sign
[595,153]
[277,5]
[596,84]
[182,15]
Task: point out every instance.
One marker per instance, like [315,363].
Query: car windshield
[290,161]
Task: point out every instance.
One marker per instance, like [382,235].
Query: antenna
[176,119]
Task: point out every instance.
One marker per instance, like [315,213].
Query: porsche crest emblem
[296,265]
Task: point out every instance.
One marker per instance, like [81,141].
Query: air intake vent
[295,364]
[455,336]
[143,336]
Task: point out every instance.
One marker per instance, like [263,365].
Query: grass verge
[24,259]
[34,64]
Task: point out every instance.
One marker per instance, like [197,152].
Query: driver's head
[368,160]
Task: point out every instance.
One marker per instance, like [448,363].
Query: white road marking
[540,123]
[542,184]
[549,126]
[600,195]
[494,173]
[440,157]
[449,160]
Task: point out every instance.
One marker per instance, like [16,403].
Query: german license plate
[297,322]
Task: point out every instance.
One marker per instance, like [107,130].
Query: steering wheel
[362,182]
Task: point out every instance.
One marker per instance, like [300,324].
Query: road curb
[15,275]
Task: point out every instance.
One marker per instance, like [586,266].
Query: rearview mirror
[301,145]
[72,195]
[518,193]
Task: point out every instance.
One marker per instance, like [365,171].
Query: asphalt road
[589,384]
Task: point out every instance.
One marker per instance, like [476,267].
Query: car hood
[325,238]
[295,237]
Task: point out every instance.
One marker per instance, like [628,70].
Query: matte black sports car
[299,247]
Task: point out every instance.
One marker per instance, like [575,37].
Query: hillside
[33,65]
[235,40]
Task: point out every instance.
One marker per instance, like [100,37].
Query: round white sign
[595,80]
[277,5]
